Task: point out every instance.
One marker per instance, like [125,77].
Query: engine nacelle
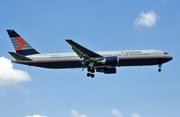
[109,61]
[107,70]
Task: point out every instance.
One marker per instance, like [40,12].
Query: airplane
[101,61]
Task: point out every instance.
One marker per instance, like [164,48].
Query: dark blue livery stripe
[12,33]
[27,52]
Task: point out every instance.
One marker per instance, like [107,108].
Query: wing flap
[79,53]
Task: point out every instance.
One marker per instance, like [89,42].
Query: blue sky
[108,25]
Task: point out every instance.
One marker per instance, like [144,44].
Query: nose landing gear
[159,65]
[159,70]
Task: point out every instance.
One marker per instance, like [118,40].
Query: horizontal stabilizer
[19,56]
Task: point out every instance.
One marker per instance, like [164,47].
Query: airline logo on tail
[20,45]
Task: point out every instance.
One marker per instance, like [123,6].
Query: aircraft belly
[57,65]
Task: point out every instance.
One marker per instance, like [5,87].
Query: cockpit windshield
[165,53]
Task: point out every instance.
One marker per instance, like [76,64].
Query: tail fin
[20,45]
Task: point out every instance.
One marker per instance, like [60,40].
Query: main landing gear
[90,72]
[160,65]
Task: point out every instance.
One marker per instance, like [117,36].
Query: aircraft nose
[170,58]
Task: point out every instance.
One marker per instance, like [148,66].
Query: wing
[84,53]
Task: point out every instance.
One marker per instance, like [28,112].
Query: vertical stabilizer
[20,45]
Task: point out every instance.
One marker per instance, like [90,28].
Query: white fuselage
[124,58]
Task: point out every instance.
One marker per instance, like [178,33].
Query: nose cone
[169,58]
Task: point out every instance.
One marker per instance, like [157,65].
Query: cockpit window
[165,53]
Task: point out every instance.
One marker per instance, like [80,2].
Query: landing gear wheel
[92,70]
[89,74]
[89,69]
[159,70]
[92,75]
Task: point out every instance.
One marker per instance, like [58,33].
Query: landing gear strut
[91,69]
[160,65]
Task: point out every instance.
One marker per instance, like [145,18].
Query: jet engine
[109,61]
